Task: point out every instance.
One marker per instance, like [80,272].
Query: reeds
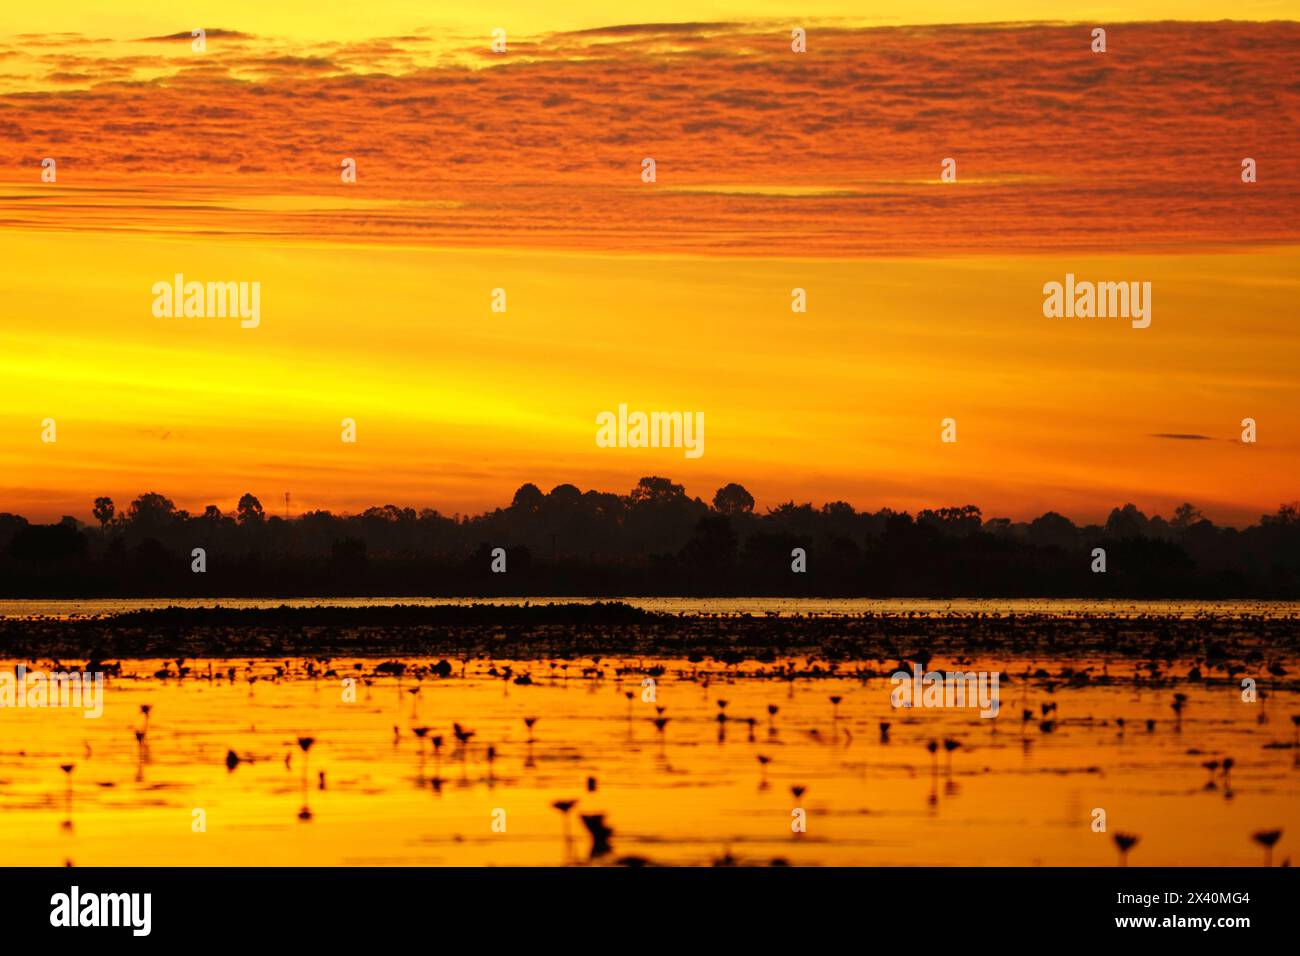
[1125,842]
[305,744]
[1267,839]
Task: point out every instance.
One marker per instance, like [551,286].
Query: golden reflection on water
[694,794]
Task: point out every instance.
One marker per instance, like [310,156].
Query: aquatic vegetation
[1125,842]
[685,797]
[1267,839]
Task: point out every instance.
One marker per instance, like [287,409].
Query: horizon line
[272,514]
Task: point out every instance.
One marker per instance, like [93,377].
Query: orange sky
[775,170]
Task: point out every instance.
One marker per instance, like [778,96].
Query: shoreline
[565,630]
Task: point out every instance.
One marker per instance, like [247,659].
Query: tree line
[654,540]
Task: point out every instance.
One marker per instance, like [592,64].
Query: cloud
[654,29]
[216,32]
[758,150]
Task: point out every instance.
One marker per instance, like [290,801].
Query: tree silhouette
[656,491]
[1287,514]
[528,499]
[151,514]
[48,544]
[654,539]
[965,520]
[733,499]
[249,510]
[564,496]
[1126,522]
[103,511]
[1053,530]
[1185,515]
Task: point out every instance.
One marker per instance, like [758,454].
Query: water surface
[1016,794]
[757,606]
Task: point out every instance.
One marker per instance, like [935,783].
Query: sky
[522,171]
[350,19]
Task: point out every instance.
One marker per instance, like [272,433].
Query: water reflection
[366,762]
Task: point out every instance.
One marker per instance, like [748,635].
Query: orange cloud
[760,151]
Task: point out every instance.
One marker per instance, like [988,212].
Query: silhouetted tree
[1053,530]
[528,499]
[654,539]
[1126,522]
[249,510]
[733,499]
[564,496]
[1185,515]
[1001,527]
[10,525]
[103,511]
[1288,515]
[656,491]
[151,515]
[47,544]
[964,520]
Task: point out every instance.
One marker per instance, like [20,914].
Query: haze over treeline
[653,540]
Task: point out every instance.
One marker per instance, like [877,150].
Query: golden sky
[348,20]
[522,171]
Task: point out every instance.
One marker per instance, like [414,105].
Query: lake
[1013,791]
